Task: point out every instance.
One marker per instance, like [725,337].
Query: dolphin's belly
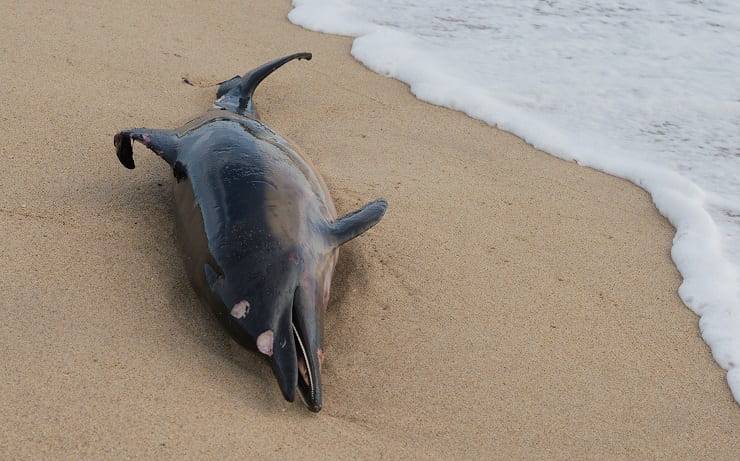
[251,192]
[193,243]
[191,236]
[223,131]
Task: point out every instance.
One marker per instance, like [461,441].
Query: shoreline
[510,303]
[699,251]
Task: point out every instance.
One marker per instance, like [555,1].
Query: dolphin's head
[275,301]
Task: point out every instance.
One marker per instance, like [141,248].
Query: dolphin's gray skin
[258,227]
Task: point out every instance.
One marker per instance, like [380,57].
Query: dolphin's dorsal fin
[353,224]
[162,142]
[236,93]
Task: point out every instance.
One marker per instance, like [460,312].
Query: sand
[510,304]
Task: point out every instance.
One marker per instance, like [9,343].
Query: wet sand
[510,304]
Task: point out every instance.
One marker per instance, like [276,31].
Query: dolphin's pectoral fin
[353,224]
[162,142]
[212,277]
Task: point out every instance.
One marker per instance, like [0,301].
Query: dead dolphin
[258,227]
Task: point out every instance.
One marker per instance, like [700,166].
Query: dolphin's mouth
[296,359]
[306,376]
[308,382]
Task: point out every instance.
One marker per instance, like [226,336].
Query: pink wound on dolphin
[240,309]
[264,342]
[320,354]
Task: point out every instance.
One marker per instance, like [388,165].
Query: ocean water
[647,90]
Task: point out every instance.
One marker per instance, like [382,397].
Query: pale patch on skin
[327,288]
[264,342]
[303,370]
[240,309]
[320,353]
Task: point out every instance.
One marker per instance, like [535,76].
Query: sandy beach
[510,304]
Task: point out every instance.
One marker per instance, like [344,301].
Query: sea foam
[647,91]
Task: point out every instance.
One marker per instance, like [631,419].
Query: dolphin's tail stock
[236,93]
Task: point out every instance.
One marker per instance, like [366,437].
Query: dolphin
[258,228]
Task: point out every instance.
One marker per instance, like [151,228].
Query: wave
[576,82]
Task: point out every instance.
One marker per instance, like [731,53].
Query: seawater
[645,90]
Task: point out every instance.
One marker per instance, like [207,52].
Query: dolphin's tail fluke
[236,94]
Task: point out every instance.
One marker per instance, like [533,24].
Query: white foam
[647,91]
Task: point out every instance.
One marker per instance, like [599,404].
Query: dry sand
[510,304]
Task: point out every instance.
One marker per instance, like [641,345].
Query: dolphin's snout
[284,360]
[295,366]
[309,368]
[296,357]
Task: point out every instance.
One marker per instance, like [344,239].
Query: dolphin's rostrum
[258,227]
